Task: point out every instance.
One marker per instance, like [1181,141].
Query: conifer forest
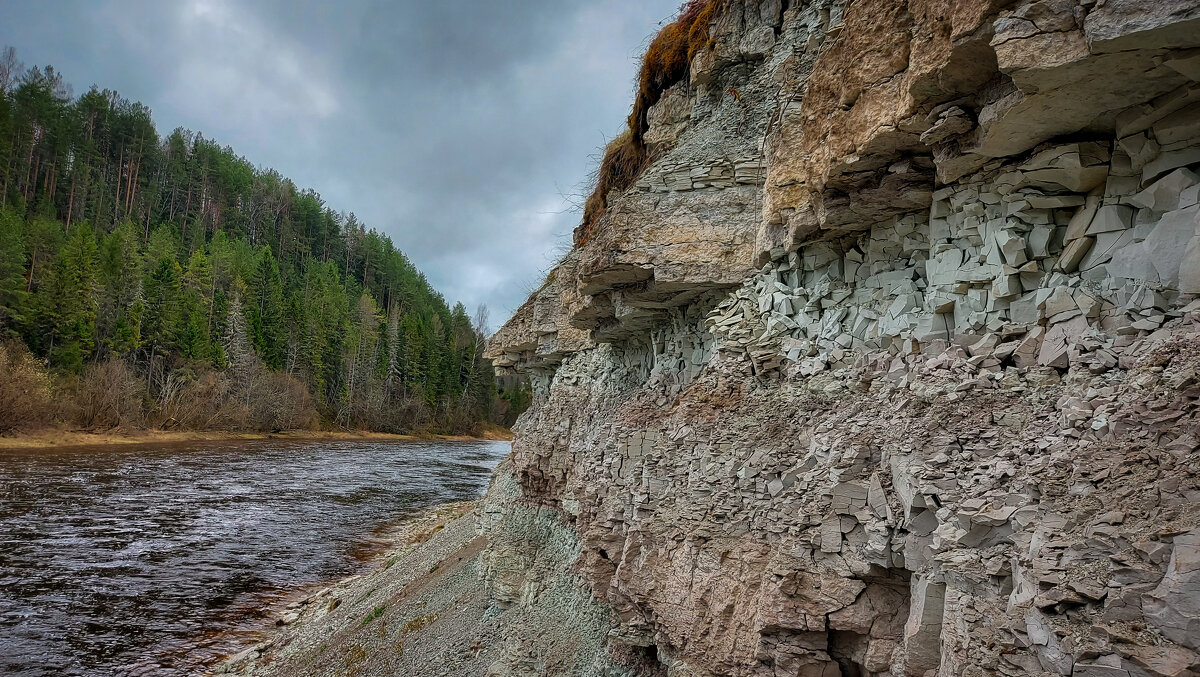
[151,279]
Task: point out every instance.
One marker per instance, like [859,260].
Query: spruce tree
[76,295]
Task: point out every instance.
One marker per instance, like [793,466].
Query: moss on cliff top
[667,61]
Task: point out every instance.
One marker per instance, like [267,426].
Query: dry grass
[622,163]
[669,57]
[667,61]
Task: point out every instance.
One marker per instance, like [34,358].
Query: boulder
[1174,606]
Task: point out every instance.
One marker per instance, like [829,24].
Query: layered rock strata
[888,364]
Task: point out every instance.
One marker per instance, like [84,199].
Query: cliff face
[887,365]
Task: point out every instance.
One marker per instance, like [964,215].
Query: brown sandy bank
[51,438]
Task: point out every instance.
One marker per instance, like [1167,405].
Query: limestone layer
[889,362]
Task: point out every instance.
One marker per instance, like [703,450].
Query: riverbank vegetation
[167,282]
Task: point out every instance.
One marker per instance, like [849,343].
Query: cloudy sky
[462,129]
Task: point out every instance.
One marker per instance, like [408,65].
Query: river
[156,559]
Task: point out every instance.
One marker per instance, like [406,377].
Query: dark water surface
[147,560]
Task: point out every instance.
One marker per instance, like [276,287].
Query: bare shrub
[206,401]
[25,402]
[623,161]
[280,402]
[260,400]
[397,413]
[106,395]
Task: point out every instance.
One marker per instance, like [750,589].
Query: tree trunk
[186,208]
[150,368]
[117,202]
[137,174]
[128,182]
[29,165]
[70,201]
[32,266]
[131,184]
[33,193]
[100,197]
[85,189]
[8,169]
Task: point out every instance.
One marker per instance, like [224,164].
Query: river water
[156,559]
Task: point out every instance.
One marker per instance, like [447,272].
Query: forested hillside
[165,280]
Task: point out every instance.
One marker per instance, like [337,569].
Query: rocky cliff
[888,362]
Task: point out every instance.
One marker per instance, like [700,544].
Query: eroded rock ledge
[889,364]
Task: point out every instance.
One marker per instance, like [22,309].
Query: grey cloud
[453,127]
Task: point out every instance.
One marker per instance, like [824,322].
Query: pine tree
[244,365]
[266,311]
[121,302]
[361,362]
[393,373]
[161,319]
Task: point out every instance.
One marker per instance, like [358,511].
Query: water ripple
[146,560]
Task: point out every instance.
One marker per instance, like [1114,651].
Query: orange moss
[667,61]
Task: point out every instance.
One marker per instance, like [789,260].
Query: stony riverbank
[424,609]
[338,629]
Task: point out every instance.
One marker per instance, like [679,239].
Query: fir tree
[75,300]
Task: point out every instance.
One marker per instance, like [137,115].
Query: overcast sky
[461,128]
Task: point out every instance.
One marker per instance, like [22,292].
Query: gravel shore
[421,610]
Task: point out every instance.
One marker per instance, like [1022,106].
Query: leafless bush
[398,413]
[24,390]
[107,395]
[189,396]
[262,400]
[205,401]
[280,402]
[167,392]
